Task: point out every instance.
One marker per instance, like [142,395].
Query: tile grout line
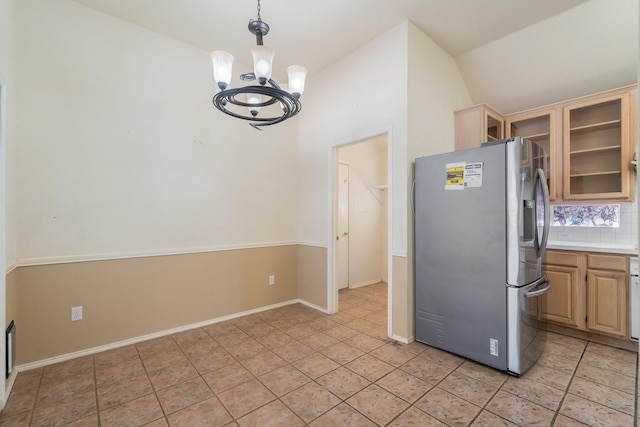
[35,400]
[153,387]
[315,380]
[566,391]
[484,407]
[95,389]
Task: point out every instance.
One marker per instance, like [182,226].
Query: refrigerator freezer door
[526,338]
[460,254]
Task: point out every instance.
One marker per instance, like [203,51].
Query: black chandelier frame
[290,102]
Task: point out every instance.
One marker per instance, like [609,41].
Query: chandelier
[247,101]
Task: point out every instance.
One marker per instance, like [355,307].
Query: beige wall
[11,297]
[129,298]
[403,319]
[312,275]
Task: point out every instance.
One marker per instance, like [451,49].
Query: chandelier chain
[259,19]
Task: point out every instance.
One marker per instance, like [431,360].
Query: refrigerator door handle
[412,198]
[539,291]
[542,244]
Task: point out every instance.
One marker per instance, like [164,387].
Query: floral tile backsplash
[586,215]
[624,234]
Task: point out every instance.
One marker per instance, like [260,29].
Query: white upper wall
[360,96]
[121,152]
[563,57]
[400,82]
[7,152]
[436,90]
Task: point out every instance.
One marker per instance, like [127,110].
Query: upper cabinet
[597,148]
[476,125]
[589,142]
[541,127]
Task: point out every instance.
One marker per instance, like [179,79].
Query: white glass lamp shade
[297,74]
[262,60]
[222,67]
[284,87]
[254,98]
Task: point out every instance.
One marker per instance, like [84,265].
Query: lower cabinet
[588,292]
[607,302]
[562,304]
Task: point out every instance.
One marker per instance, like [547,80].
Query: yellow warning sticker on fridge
[455,176]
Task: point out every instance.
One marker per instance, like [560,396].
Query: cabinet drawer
[569,259]
[607,262]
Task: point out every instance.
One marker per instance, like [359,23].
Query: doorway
[361,220]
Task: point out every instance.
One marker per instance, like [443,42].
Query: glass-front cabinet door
[597,150]
[540,126]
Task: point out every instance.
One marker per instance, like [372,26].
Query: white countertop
[594,247]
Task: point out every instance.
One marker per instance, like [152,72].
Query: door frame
[338,252]
[3,235]
[332,282]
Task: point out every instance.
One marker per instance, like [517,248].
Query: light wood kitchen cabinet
[563,304]
[607,294]
[476,125]
[597,148]
[589,141]
[588,292]
[542,126]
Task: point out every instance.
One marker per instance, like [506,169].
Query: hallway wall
[368,205]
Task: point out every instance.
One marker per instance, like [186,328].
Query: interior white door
[342,239]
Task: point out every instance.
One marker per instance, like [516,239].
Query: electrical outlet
[272,280]
[76,313]
[564,235]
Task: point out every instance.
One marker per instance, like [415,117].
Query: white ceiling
[318,33]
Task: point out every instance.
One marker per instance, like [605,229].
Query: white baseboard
[403,340]
[315,307]
[370,282]
[94,350]
[8,385]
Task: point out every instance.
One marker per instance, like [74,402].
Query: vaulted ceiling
[318,33]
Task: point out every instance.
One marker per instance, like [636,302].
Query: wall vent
[11,347]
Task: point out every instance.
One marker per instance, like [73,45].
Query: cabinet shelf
[596,126]
[597,150]
[538,136]
[597,142]
[577,175]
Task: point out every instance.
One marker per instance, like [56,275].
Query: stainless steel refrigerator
[481,228]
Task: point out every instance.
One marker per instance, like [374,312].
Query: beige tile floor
[294,366]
